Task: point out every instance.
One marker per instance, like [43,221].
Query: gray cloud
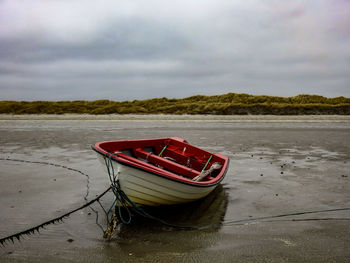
[124,50]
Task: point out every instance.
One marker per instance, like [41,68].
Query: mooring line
[60,218]
[52,221]
[125,202]
[123,198]
[264,219]
[55,165]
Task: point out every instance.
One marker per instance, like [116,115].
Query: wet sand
[278,165]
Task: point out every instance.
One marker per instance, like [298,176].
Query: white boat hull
[148,189]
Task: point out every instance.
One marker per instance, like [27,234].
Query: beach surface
[279,165]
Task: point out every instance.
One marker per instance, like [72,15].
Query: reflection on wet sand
[208,212]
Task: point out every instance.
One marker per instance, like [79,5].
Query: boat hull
[162,171]
[144,188]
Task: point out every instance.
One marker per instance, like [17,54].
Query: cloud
[141,49]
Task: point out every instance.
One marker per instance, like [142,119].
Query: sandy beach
[278,165]
[185,118]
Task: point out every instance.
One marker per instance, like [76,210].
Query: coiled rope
[123,202]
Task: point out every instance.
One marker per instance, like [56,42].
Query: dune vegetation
[226,104]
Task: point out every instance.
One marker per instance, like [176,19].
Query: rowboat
[162,171]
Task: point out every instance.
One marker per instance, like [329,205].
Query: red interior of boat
[172,157]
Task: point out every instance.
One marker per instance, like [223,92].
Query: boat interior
[172,154]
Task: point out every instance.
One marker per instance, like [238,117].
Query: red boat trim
[151,170]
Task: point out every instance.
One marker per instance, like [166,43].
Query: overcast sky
[137,49]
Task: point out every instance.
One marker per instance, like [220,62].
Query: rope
[125,202]
[232,222]
[52,221]
[34,229]
[55,165]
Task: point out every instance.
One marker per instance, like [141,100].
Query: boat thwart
[163,171]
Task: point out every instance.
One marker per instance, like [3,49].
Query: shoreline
[173,117]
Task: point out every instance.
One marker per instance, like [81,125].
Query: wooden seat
[167,164]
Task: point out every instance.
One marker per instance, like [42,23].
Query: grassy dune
[227,104]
